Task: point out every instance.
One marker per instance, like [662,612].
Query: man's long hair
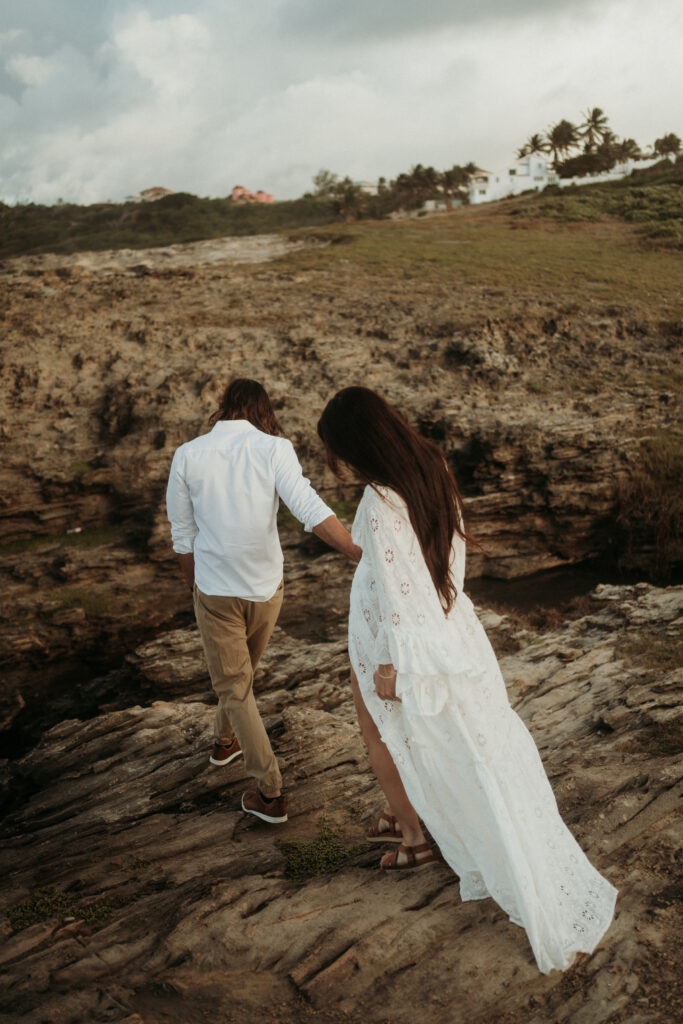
[359,428]
[245,399]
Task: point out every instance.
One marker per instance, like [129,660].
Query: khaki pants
[234,635]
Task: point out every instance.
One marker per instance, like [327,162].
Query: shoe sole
[384,839]
[227,760]
[263,817]
[402,868]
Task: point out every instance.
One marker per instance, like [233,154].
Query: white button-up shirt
[222,503]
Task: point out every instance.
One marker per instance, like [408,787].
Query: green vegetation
[180,217]
[651,199]
[661,739]
[79,468]
[600,149]
[95,605]
[656,649]
[48,902]
[93,537]
[344,510]
[475,247]
[319,856]
[649,507]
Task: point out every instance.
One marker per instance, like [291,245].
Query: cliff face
[158,900]
[111,360]
[110,364]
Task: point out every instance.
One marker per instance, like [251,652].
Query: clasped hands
[385,682]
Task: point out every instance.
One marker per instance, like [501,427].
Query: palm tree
[560,138]
[454,181]
[668,145]
[535,144]
[593,128]
[627,149]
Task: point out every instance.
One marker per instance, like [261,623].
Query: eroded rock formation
[110,360]
[175,906]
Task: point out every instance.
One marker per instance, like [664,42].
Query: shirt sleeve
[295,489]
[179,509]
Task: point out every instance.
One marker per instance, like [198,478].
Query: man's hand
[187,568]
[338,537]
[385,683]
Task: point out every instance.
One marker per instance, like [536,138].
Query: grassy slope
[652,200]
[580,263]
[176,218]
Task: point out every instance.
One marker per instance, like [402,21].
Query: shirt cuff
[322,512]
[183,543]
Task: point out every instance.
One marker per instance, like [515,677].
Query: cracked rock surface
[177,907]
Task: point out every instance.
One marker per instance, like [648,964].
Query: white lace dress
[468,763]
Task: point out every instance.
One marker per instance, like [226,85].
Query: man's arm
[181,517]
[308,507]
[338,537]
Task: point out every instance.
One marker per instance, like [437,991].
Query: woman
[431,701]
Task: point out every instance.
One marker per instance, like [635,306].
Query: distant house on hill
[150,195]
[240,194]
[535,172]
[532,172]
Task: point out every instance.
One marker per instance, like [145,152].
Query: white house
[534,172]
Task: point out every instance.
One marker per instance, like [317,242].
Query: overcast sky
[102,98]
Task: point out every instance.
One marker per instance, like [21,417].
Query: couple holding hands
[448,751]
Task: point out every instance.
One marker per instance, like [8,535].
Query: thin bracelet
[382,676]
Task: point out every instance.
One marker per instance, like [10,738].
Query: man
[222,499]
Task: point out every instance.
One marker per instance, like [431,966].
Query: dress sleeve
[413,633]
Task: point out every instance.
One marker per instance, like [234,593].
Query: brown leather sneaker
[274,811]
[222,754]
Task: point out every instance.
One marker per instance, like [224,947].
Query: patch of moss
[41,906]
[320,856]
[655,649]
[95,605]
[79,468]
[49,902]
[537,387]
[93,537]
[661,739]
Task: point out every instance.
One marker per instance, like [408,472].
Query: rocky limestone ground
[162,902]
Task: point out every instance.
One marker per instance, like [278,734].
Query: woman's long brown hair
[358,427]
[246,399]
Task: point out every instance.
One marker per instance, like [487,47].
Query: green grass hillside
[650,200]
[180,217]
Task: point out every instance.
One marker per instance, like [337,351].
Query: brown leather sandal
[411,862]
[393,834]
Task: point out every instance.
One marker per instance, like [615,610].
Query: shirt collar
[232,426]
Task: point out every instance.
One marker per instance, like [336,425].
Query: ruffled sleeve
[413,632]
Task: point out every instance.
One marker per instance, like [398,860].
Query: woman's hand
[385,682]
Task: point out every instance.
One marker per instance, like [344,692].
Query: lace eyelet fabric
[454,734]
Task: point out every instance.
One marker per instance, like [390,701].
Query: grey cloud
[47,25]
[346,21]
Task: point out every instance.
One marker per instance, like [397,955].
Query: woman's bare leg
[387,774]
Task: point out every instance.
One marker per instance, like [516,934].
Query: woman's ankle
[412,836]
